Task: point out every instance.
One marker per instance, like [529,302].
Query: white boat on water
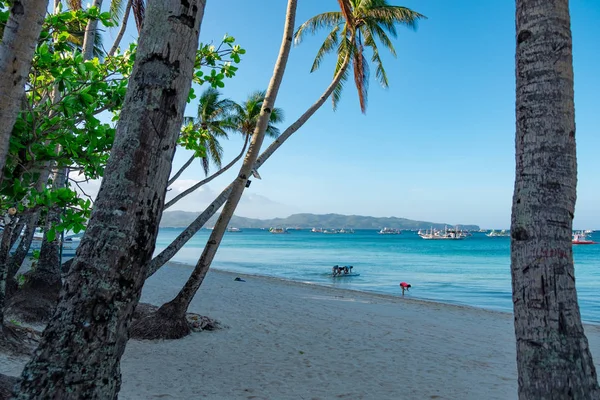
[278,231]
[389,231]
[233,229]
[581,238]
[502,233]
[317,230]
[446,234]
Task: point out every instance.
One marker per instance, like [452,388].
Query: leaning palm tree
[553,353]
[213,118]
[341,68]
[245,116]
[216,116]
[359,24]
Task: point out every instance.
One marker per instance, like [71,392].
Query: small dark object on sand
[239,279]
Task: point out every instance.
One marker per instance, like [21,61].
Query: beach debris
[199,323]
[238,279]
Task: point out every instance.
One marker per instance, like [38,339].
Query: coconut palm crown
[246,115]
[359,24]
[213,117]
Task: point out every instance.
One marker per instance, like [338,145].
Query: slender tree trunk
[90,34]
[169,252]
[183,168]
[553,356]
[9,225]
[16,52]
[178,306]
[47,274]
[16,260]
[122,29]
[80,350]
[181,195]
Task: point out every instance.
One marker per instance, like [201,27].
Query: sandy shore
[287,340]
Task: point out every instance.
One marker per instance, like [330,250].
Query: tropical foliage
[359,24]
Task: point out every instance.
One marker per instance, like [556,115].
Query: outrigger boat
[346,270]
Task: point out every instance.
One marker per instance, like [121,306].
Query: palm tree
[169,320]
[359,24]
[241,118]
[341,68]
[213,118]
[245,116]
[553,355]
[87,335]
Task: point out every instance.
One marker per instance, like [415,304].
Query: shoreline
[284,339]
[389,297]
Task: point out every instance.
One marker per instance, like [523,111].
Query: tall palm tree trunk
[18,43]
[122,29]
[172,249]
[553,356]
[176,309]
[90,33]
[80,350]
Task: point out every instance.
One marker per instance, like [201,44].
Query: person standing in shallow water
[405,286]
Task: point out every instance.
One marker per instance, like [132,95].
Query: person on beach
[405,286]
[336,270]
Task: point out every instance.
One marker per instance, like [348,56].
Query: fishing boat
[233,229]
[389,231]
[278,231]
[502,233]
[581,238]
[447,234]
[345,271]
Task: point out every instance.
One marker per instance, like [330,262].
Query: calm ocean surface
[474,271]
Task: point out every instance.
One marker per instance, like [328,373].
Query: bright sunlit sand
[286,340]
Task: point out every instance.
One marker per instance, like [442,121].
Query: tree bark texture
[172,249]
[553,357]
[16,53]
[9,226]
[78,356]
[180,303]
[48,267]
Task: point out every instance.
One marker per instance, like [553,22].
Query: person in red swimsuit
[404,286]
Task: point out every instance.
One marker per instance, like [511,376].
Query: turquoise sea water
[474,271]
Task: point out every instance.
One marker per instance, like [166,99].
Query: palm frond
[74,5]
[390,16]
[376,31]
[345,50]
[331,41]
[116,9]
[325,20]
[380,73]
[347,11]
[361,77]
[139,10]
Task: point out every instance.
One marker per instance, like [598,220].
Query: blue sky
[438,145]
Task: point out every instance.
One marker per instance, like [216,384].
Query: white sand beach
[286,340]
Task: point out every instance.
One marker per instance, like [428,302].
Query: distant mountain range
[181,219]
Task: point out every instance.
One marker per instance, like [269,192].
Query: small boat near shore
[343,272]
[581,238]
[389,231]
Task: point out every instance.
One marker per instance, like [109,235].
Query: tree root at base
[33,305]
[7,383]
[152,323]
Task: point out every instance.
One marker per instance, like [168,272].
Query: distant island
[181,219]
